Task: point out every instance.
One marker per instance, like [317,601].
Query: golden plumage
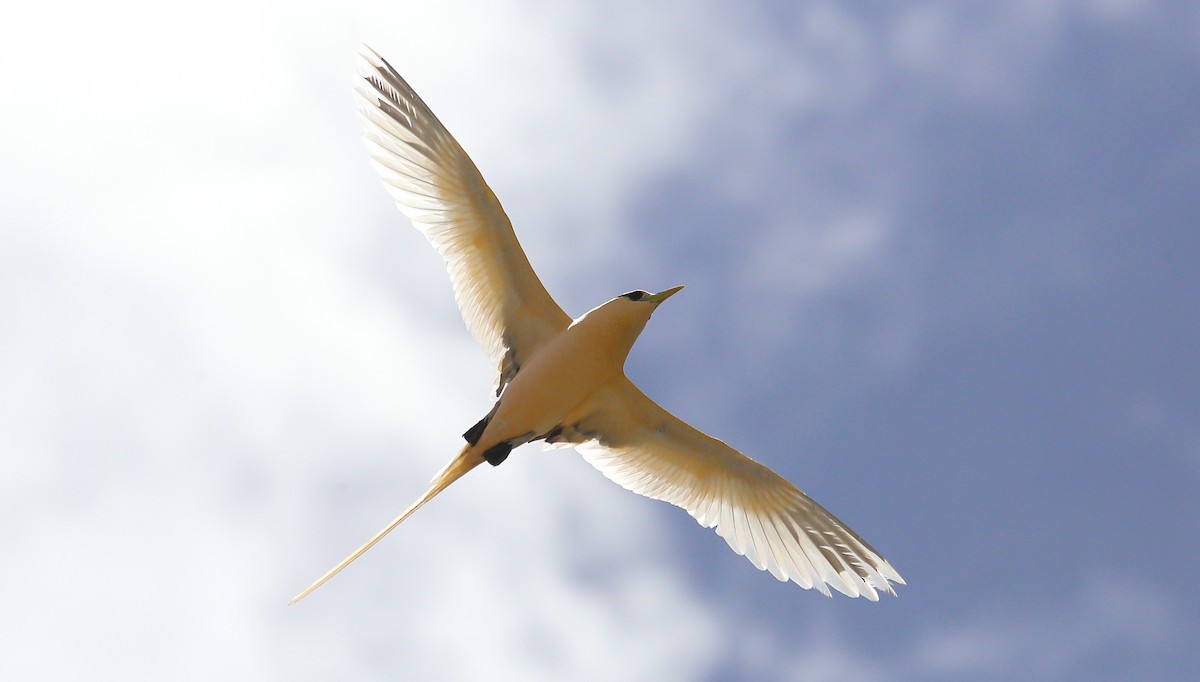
[563,381]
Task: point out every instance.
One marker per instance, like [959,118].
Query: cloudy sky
[942,273]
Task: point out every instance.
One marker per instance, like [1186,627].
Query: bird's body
[563,381]
[551,390]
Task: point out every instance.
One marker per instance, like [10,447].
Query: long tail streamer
[461,464]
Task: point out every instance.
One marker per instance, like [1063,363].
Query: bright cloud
[226,359]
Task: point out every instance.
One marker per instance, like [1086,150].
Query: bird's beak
[664,295]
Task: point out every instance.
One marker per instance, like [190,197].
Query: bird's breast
[558,378]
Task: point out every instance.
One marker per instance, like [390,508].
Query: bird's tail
[463,462]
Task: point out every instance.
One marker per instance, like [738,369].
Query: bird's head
[644,301]
[626,315]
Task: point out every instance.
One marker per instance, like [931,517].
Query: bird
[562,381]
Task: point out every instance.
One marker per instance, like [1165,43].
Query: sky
[941,273]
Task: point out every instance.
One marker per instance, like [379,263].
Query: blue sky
[941,270]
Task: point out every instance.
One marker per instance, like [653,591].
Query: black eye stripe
[635,295]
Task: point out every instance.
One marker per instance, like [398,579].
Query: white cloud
[1057,640]
[206,385]
[1107,616]
[214,384]
[812,261]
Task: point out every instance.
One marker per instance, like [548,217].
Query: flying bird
[562,381]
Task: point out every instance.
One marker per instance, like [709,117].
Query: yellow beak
[664,295]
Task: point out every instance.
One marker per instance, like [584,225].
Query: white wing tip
[369,55]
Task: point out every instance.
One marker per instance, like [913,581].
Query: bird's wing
[646,449]
[438,187]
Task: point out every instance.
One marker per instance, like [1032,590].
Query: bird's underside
[561,381]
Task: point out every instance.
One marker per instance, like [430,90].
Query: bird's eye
[635,295]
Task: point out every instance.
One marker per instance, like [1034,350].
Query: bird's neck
[607,337]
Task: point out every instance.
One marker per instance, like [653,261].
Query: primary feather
[646,449]
[438,187]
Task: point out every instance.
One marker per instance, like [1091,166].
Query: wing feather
[762,516]
[438,187]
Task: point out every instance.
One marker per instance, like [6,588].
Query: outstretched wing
[646,449]
[438,187]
